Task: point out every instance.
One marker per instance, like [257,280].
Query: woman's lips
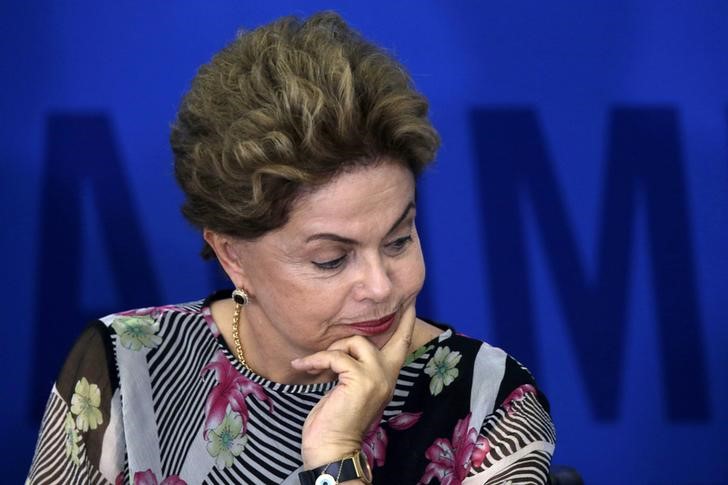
[374,327]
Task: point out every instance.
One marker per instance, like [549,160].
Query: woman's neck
[264,355]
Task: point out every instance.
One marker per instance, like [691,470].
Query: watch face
[366,472]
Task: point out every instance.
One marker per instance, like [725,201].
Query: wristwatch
[350,467]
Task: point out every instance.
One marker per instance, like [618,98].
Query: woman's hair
[285,108]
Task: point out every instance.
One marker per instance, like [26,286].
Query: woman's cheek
[416,273]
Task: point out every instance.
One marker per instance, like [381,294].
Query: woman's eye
[398,245]
[330,265]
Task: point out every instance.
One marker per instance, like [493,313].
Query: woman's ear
[227,251]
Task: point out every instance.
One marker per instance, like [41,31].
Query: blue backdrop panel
[577,213]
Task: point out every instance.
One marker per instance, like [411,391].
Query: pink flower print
[482,448]
[441,466]
[148,478]
[404,421]
[450,460]
[516,395]
[207,315]
[231,389]
[145,478]
[374,445]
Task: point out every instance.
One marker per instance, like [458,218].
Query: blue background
[577,214]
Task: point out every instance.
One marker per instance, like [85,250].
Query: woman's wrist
[320,457]
[349,468]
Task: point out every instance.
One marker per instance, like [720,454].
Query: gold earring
[240,297]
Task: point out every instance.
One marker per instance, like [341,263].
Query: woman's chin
[380,340]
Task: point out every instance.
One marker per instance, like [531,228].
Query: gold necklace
[236,336]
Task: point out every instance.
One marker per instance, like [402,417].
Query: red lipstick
[374,327]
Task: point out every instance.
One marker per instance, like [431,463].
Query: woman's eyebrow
[327,236]
[401,218]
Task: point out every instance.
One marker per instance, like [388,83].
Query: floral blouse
[154,396]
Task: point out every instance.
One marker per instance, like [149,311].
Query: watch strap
[337,471]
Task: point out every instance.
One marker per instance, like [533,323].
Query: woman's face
[347,263]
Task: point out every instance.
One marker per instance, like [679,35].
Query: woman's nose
[375,282]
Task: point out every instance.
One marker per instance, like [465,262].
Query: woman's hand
[367,377]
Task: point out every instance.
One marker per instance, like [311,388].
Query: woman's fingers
[336,360]
[358,347]
[346,354]
[397,348]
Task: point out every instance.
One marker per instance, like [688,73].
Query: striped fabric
[521,444]
[132,405]
[51,465]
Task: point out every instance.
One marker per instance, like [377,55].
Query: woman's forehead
[364,198]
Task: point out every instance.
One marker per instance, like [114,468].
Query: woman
[297,148]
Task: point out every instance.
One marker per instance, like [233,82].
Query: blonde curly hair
[286,107]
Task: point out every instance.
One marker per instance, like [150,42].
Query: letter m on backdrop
[82,151]
[643,164]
